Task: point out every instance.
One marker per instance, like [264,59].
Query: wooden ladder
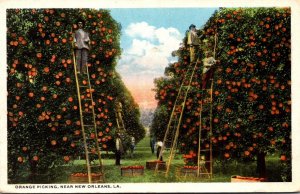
[88,123]
[205,106]
[173,127]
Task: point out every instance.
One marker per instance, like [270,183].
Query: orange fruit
[53,142]
[66,158]
[226,155]
[20,159]
[35,158]
[283,157]
[70,99]
[247,153]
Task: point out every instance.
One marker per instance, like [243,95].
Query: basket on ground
[151,165]
[132,171]
[83,178]
[191,173]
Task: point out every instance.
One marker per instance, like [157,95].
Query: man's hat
[192,26]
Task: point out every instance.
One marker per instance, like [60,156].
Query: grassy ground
[222,171]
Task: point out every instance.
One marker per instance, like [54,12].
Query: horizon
[148,37]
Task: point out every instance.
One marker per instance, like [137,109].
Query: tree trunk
[261,164]
[33,172]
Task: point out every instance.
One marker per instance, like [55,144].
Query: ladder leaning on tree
[176,116]
[203,167]
[88,123]
[207,164]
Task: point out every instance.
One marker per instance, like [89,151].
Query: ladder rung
[89,112]
[88,125]
[95,153]
[207,102]
[86,99]
[90,139]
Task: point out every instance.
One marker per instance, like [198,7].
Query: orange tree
[43,116]
[252,93]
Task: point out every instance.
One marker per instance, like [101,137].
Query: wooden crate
[236,178]
[132,171]
[151,165]
[137,172]
[183,174]
[188,172]
[83,178]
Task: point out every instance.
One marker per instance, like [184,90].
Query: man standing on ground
[152,144]
[159,145]
[119,149]
[132,146]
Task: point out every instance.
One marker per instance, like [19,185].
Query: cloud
[147,55]
[141,30]
[149,50]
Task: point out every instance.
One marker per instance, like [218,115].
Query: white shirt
[207,63]
[118,141]
[159,144]
[81,39]
[132,140]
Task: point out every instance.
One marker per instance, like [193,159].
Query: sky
[148,37]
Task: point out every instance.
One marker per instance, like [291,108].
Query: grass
[222,171]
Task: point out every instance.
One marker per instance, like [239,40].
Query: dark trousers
[206,77]
[157,154]
[81,59]
[152,149]
[118,157]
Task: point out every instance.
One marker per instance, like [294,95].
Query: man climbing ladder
[87,115]
[204,168]
[119,116]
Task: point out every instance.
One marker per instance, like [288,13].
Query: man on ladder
[119,119]
[208,70]
[82,46]
[193,41]
[207,79]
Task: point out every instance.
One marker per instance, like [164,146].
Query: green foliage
[252,85]
[43,116]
